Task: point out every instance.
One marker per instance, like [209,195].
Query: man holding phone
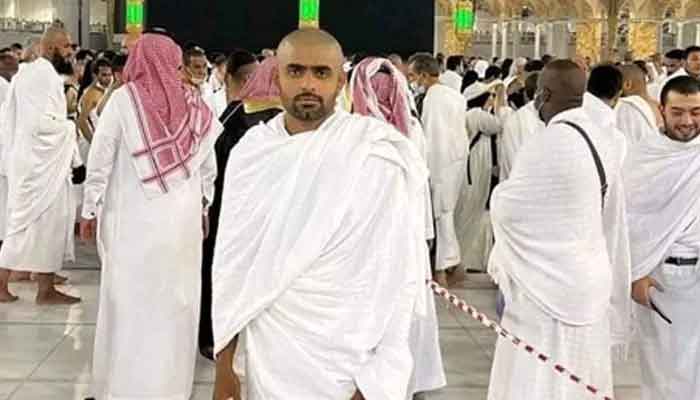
[662,180]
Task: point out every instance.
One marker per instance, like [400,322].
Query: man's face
[682,116]
[197,69]
[61,52]
[18,53]
[104,76]
[692,64]
[310,79]
[415,78]
[672,65]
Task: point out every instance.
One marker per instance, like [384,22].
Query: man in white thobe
[518,128]
[636,111]
[444,121]
[487,110]
[554,223]
[40,150]
[148,200]
[322,221]
[674,61]
[662,180]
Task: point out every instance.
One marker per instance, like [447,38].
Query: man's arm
[87,104]
[227,385]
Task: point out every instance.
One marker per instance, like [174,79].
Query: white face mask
[417,89]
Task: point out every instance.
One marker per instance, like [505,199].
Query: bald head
[561,86]
[634,80]
[315,39]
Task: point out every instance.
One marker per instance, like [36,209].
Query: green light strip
[134,13]
[308,10]
[463,19]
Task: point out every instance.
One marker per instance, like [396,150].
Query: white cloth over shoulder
[444,122]
[39,149]
[636,119]
[150,249]
[517,129]
[451,79]
[316,229]
[549,227]
[4,90]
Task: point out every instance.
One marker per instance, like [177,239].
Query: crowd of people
[289,207]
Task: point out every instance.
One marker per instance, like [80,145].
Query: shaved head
[561,87]
[316,39]
[634,80]
[310,77]
[52,37]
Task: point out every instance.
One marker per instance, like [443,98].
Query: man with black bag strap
[561,256]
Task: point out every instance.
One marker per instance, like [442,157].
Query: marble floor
[45,352]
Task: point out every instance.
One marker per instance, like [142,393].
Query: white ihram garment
[662,178]
[636,119]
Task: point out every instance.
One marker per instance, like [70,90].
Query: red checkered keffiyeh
[173,119]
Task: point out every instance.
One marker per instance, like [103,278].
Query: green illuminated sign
[134,12]
[464,19]
[308,10]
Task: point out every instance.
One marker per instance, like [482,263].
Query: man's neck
[295,126]
[431,82]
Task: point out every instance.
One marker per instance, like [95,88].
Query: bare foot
[20,276]
[53,297]
[7,297]
[441,278]
[456,276]
[57,279]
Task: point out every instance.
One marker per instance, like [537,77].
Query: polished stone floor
[45,352]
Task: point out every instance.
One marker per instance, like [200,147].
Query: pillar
[643,39]
[75,14]
[537,41]
[679,37]
[517,38]
[589,39]
[550,38]
[504,40]
[561,40]
[697,34]
[494,41]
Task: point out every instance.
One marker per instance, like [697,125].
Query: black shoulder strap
[473,143]
[596,158]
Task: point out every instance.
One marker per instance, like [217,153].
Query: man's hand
[358,396]
[88,229]
[227,386]
[205,226]
[640,290]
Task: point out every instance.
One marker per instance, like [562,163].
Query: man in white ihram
[320,258]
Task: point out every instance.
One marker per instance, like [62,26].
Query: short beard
[308,116]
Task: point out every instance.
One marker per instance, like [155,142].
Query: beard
[59,62]
[303,109]
[681,134]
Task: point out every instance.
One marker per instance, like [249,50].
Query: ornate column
[504,40]
[589,39]
[537,41]
[550,38]
[463,21]
[643,39]
[75,14]
[697,34]
[517,38]
[494,41]
[561,40]
[679,38]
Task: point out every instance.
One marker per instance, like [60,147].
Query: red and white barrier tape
[517,342]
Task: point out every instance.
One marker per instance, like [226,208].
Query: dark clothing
[236,123]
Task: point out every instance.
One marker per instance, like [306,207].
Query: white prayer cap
[475,90]
[480,67]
